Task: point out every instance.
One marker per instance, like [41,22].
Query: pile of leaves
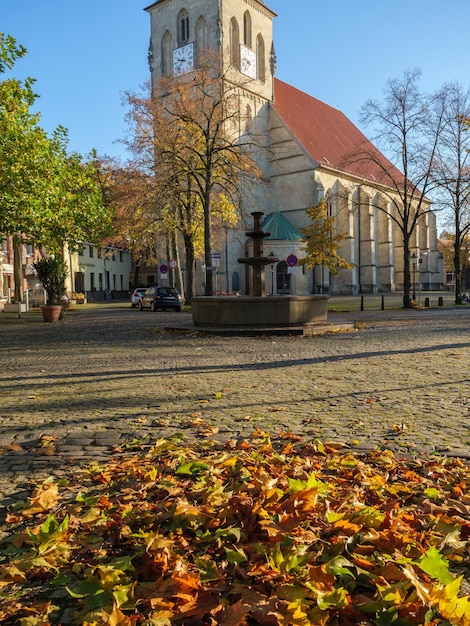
[272,531]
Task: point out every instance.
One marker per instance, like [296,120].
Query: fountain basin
[288,310]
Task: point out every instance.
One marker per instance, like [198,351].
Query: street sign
[173,264]
[291,260]
[163,268]
[215,257]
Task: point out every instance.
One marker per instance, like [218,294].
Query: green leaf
[191,468]
[432,493]
[434,564]
[237,555]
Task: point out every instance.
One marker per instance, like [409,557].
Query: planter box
[14,307]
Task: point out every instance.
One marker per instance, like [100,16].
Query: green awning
[280,228]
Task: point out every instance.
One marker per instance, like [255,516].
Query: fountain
[258,309]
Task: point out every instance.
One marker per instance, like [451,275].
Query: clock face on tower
[183,59]
[247,62]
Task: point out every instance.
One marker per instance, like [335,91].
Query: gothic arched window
[166,53]
[234,43]
[201,37]
[183,27]
[247,29]
[260,58]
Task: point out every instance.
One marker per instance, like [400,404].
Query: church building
[307,160]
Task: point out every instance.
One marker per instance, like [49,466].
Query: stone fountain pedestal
[259,310]
[275,311]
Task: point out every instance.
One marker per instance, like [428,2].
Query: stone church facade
[308,143]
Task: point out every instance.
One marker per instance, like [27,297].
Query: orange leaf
[44,498]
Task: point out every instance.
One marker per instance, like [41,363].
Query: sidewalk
[109,376]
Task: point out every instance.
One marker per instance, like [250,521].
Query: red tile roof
[327,135]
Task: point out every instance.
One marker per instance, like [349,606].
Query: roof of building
[327,135]
[280,228]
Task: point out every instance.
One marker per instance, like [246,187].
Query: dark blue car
[163,298]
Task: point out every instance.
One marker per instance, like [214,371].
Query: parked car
[136,296]
[161,298]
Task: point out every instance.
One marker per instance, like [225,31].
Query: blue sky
[85,54]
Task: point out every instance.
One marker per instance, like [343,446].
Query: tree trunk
[136,273]
[209,287]
[406,273]
[18,268]
[189,253]
[457,278]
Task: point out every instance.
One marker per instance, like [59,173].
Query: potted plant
[51,272]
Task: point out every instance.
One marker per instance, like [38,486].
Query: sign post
[173,265]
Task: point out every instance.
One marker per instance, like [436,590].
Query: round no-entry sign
[291,260]
[173,264]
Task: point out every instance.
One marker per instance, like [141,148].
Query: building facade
[307,143]
[95,273]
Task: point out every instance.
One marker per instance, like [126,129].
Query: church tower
[240,31]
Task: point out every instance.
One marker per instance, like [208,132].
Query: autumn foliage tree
[322,242]
[184,135]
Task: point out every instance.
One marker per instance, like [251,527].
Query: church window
[247,29]
[319,193]
[234,43]
[201,37]
[183,27]
[166,53]
[260,58]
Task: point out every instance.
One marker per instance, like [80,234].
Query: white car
[136,296]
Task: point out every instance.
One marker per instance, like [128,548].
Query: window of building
[247,29]
[81,250]
[183,27]
[121,256]
[79,282]
[100,253]
[234,43]
[260,59]
[92,281]
[202,42]
[100,281]
[91,252]
[166,53]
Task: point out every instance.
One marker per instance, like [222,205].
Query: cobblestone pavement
[109,375]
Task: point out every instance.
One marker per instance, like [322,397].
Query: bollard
[440,301]
[362,303]
[426,302]
[383,303]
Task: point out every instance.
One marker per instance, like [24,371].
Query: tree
[129,191]
[186,133]
[48,197]
[452,175]
[408,127]
[321,241]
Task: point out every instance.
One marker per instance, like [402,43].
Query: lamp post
[272,256]
[413,260]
